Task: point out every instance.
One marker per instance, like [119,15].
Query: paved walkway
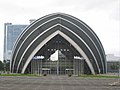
[55,83]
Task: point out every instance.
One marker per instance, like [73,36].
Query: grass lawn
[98,76]
[83,76]
[18,75]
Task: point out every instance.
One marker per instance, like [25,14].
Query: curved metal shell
[76,32]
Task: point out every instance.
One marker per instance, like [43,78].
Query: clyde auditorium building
[58,44]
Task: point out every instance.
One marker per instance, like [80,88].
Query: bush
[69,75]
[44,74]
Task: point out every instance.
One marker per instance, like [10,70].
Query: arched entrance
[57,57]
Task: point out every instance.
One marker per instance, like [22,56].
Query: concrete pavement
[54,82]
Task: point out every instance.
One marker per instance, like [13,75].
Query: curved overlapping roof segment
[76,32]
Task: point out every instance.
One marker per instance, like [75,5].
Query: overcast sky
[103,16]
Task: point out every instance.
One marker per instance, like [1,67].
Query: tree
[1,66]
[6,65]
[114,66]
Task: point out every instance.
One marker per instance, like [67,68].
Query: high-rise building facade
[11,33]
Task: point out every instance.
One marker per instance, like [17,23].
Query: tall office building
[11,33]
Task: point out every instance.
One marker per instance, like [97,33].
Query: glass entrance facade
[61,66]
[58,59]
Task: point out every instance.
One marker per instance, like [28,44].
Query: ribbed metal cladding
[74,28]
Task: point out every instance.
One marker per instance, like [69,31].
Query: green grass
[97,76]
[83,76]
[18,75]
